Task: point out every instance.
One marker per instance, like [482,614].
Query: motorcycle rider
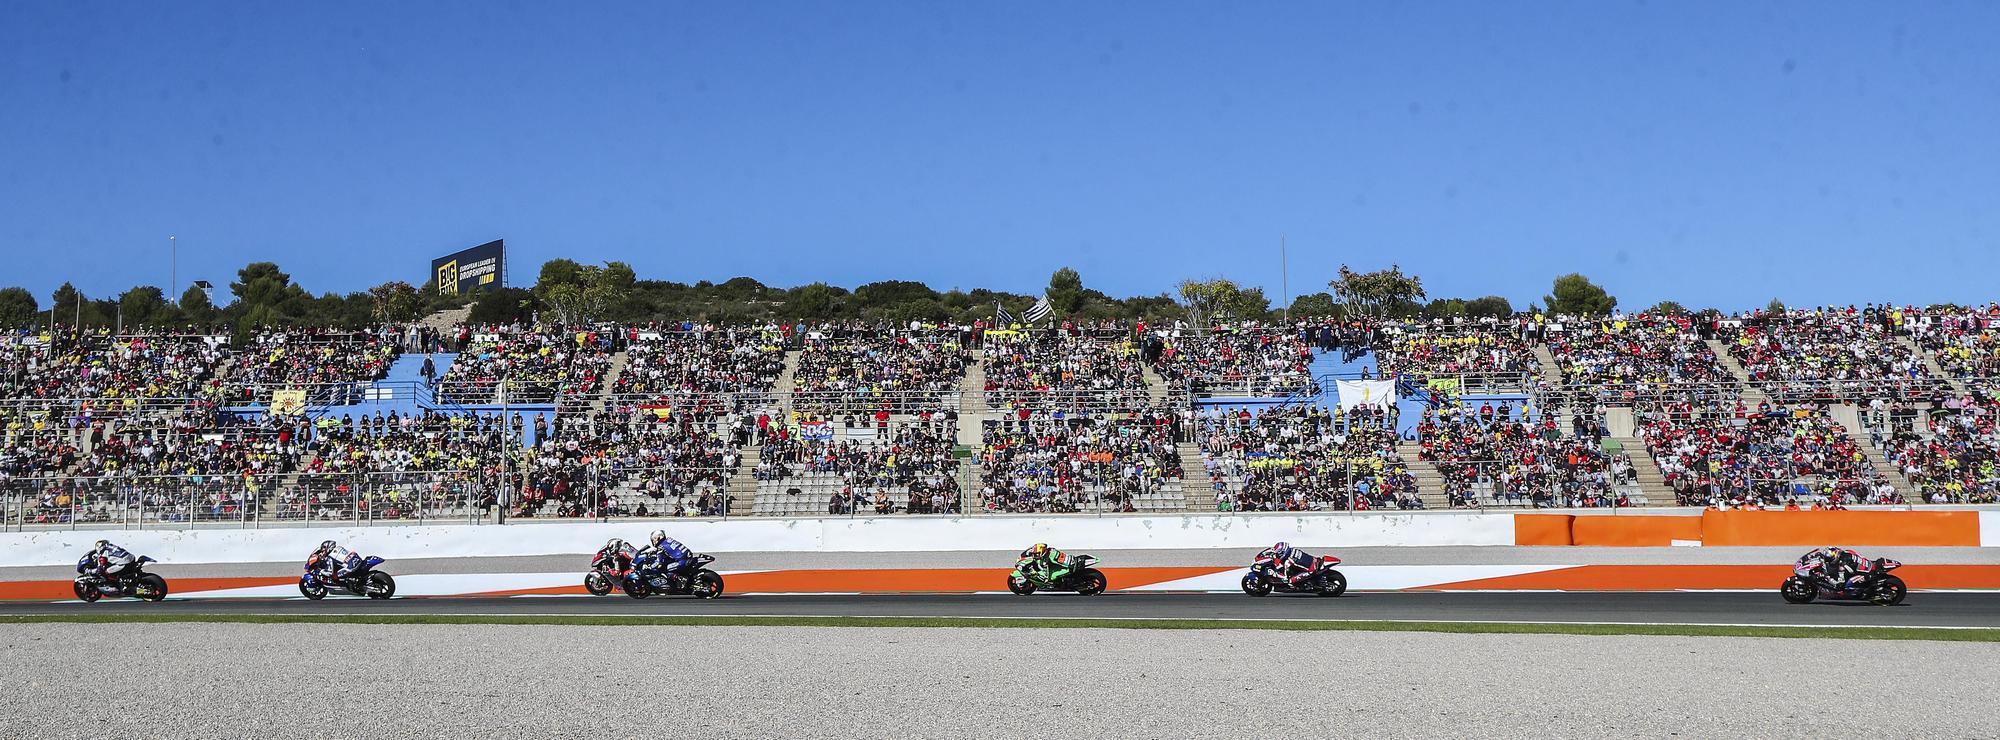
[112,560]
[1291,563]
[1051,562]
[1832,566]
[665,555]
[620,554]
[335,562]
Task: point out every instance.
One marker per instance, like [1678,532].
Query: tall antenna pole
[1284,278]
[173,269]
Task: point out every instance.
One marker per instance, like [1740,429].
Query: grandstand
[1805,408]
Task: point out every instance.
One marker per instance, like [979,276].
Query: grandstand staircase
[1878,460]
[1430,480]
[1652,482]
[1930,363]
[788,378]
[1547,361]
[743,483]
[972,409]
[610,381]
[444,320]
[1156,386]
[1752,395]
[1197,486]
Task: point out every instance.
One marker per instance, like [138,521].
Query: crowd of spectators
[1720,451]
[1824,356]
[1622,358]
[1047,371]
[715,361]
[897,370]
[1305,458]
[1427,351]
[1493,454]
[538,363]
[1063,462]
[904,467]
[1949,455]
[1237,360]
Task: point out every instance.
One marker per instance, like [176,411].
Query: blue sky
[1720,154]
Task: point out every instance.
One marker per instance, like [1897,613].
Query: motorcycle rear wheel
[1090,582]
[381,585]
[596,583]
[1797,591]
[707,584]
[151,587]
[1890,591]
[1332,584]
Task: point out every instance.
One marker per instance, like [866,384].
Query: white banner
[1357,392]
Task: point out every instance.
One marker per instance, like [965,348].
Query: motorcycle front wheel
[381,585]
[637,589]
[1255,585]
[596,583]
[312,589]
[87,592]
[1890,591]
[1020,586]
[1797,591]
[707,584]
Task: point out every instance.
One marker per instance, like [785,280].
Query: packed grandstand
[1793,408]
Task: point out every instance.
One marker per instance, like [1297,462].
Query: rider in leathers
[666,555]
[112,560]
[1291,563]
[1835,566]
[336,562]
[620,553]
[1052,562]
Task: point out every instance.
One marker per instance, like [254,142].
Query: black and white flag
[1000,315]
[1040,310]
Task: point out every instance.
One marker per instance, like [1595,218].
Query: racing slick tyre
[151,587]
[87,592]
[1020,586]
[381,585]
[1255,585]
[1890,591]
[1332,584]
[1090,582]
[596,583]
[707,584]
[638,589]
[1797,591]
[312,589]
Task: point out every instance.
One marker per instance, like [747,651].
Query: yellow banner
[288,402]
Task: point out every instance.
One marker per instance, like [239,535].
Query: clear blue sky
[1718,153]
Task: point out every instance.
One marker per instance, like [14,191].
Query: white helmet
[658,534]
[614,544]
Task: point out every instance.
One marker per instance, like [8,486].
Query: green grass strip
[1506,628]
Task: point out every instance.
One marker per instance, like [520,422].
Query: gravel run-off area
[405,681]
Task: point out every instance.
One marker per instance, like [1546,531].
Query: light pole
[173,269]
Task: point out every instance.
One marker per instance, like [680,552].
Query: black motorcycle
[640,583]
[134,582]
[364,581]
[1871,582]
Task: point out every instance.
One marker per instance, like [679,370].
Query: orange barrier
[1542,529]
[1808,528]
[1633,531]
[1706,577]
[49,590]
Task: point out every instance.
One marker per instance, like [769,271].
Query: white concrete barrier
[879,534]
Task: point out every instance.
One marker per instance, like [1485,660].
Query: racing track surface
[1761,608]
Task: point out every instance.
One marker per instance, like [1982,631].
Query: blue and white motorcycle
[364,581]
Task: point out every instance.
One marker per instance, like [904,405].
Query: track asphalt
[1932,609]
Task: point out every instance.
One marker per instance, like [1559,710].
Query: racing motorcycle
[1871,582]
[1266,576]
[134,582]
[1028,578]
[640,583]
[364,581]
[605,576]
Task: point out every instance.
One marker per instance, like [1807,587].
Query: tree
[74,309]
[585,293]
[1492,305]
[1668,308]
[1574,294]
[1775,306]
[261,285]
[503,306]
[17,307]
[1221,299]
[1065,291]
[1444,308]
[556,272]
[393,301]
[1378,294]
[195,305]
[1315,305]
[815,301]
[144,305]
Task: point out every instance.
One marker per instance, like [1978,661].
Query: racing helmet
[1281,550]
[1039,549]
[614,544]
[657,536]
[101,544]
[326,546]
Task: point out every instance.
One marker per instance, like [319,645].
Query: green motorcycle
[1029,577]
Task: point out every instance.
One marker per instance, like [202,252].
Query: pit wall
[1902,528]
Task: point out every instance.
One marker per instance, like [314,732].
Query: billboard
[478,269]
